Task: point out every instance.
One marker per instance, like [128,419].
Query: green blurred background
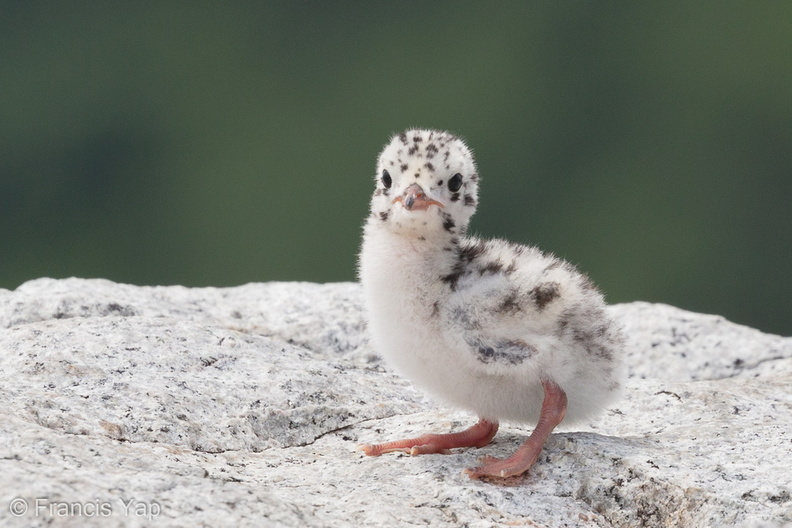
[218,143]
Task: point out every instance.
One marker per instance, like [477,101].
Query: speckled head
[426,184]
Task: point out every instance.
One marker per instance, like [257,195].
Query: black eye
[455,183]
[386,179]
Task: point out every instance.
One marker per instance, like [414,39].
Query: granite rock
[169,406]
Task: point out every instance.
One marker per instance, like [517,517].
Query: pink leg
[478,435]
[552,413]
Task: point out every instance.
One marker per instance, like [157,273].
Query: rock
[169,406]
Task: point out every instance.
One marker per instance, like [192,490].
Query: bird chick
[499,329]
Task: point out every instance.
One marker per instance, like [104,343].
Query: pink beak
[415,199]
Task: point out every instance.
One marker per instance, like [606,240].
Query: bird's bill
[414,199]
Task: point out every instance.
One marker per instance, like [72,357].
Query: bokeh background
[218,143]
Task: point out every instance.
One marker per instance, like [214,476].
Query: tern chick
[500,329]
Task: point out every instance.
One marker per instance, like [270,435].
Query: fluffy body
[478,324]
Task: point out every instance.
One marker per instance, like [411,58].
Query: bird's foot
[478,435]
[503,468]
[553,410]
[402,446]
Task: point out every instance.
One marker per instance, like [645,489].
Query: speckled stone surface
[169,406]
